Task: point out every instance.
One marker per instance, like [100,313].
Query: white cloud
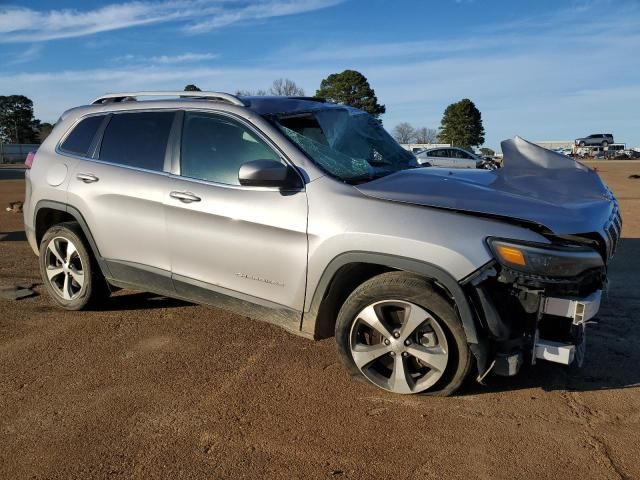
[20,24]
[166,59]
[258,11]
[27,55]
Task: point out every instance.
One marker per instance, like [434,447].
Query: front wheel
[401,335]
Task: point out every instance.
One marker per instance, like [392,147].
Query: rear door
[120,192]
[245,242]
[463,159]
[437,158]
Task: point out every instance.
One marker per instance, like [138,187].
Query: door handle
[185,197]
[87,177]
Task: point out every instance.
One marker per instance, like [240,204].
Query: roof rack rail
[133,96]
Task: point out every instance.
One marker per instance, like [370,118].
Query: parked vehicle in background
[309,215]
[615,149]
[450,157]
[602,139]
[599,152]
[564,151]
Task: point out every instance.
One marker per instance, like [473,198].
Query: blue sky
[544,70]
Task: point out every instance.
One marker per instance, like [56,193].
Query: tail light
[29,161]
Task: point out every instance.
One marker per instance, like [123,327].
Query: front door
[246,242]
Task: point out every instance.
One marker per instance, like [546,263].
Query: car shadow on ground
[18,236]
[613,352]
[140,301]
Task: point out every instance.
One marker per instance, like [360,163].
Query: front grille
[613,230]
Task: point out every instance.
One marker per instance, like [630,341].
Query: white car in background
[452,157]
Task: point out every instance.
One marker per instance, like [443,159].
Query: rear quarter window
[137,139]
[79,140]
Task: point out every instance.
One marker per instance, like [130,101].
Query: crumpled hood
[534,185]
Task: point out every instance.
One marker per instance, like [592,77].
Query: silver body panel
[124,210]
[235,238]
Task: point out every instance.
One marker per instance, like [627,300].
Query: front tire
[400,334]
[69,272]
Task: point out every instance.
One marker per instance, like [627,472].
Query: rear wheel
[401,335]
[69,272]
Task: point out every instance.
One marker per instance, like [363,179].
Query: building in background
[16,152]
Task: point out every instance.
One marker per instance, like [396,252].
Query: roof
[272,105]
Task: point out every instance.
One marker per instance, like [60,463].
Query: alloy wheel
[64,268]
[399,346]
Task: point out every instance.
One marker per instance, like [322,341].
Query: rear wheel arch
[349,270]
[49,213]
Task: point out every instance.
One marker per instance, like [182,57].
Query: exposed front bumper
[578,309]
[532,319]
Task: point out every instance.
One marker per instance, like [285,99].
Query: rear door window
[137,139]
[461,154]
[81,137]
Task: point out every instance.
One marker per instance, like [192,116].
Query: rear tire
[69,271]
[403,336]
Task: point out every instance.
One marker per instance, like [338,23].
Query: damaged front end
[534,301]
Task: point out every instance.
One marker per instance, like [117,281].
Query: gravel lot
[156,388]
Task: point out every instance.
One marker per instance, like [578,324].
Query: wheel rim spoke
[78,276]
[433,357]
[414,317]
[399,380]
[370,317]
[53,271]
[71,249]
[54,248]
[365,354]
[66,288]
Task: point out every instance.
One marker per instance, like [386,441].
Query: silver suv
[307,214]
[599,139]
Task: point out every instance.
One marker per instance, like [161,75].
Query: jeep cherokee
[308,215]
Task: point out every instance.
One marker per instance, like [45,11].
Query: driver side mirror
[267,173]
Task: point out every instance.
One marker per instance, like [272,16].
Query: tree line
[347,88]
[461,126]
[461,123]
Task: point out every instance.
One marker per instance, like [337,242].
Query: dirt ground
[156,388]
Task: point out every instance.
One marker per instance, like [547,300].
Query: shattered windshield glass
[347,143]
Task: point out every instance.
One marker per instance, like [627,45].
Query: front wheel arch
[320,318]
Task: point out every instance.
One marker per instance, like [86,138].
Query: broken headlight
[544,260]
